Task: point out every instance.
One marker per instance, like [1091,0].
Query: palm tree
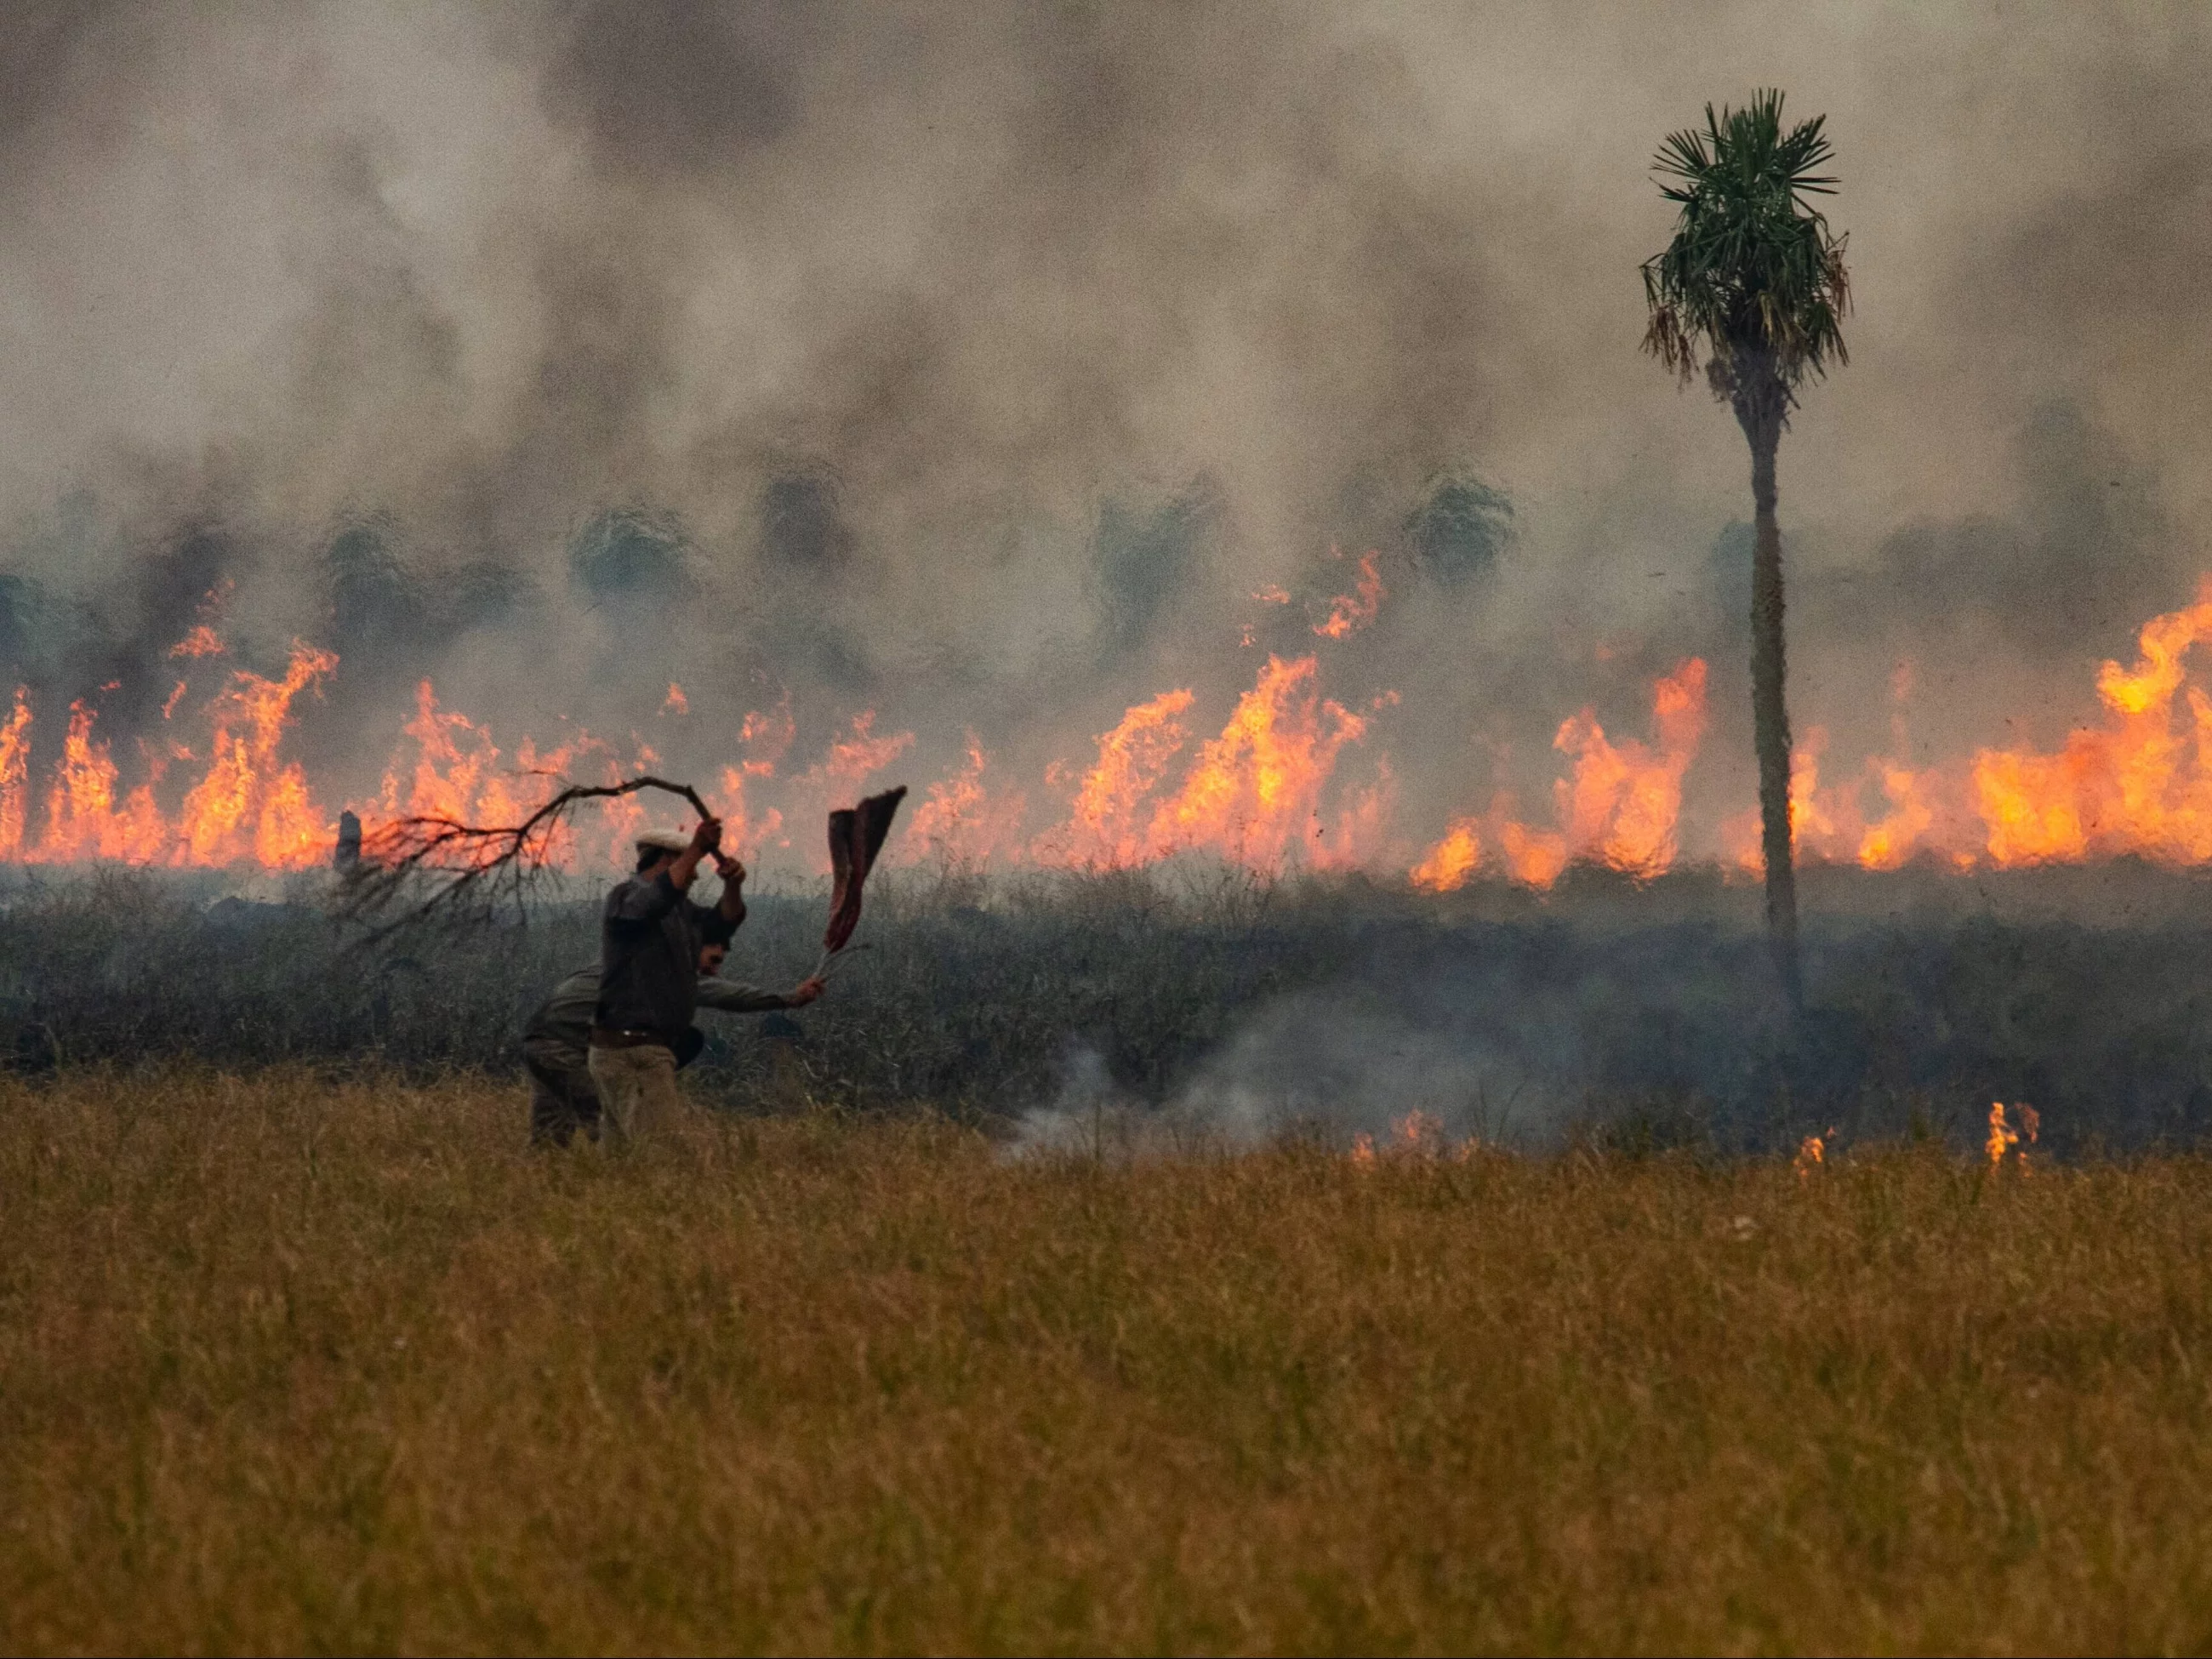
[1754,280]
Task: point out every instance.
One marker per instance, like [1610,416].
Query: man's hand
[807,990]
[706,839]
[729,869]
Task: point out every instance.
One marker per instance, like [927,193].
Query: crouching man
[556,1043]
[658,951]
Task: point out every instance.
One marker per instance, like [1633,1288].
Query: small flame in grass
[2032,1125]
[1812,1153]
[201,642]
[676,702]
[1417,1132]
[2002,1136]
[1417,1135]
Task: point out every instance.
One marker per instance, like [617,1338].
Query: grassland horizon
[290,1364]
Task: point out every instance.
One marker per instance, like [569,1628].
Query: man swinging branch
[657,956]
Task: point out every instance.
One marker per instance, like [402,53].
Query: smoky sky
[981,360]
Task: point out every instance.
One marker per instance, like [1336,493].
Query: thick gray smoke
[977,363]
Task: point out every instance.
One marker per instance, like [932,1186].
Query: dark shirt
[649,940]
[566,1017]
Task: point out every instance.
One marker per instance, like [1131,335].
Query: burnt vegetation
[1642,1015]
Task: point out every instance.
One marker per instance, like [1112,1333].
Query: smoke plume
[977,364]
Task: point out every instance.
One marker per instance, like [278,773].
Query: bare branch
[431,868]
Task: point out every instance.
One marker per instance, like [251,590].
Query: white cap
[664,840]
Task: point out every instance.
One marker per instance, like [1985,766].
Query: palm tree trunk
[1769,712]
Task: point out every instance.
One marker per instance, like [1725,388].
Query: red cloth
[856,836]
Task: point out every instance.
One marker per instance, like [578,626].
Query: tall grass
[292,1364]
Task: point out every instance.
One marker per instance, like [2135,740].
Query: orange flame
[1620,806]
[1104,828]
[1819,819]
[962,821]
[2134,786]
[766,739]
[768,736]
[1535,858]
[1358,838]
[454,772]
[2139,783]
[1416,1135]
[1417,1132]
[14,775]
[1252,789]
[1625,801]
[742,830]
[1266,792]
[853,759]
[82,822]
[1451,863]
[2002,1138]
[1887,843]
[1350,612]
[244,808]
[245,805]
[201,642]
[453,758]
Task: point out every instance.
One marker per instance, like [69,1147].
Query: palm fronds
[1752,277]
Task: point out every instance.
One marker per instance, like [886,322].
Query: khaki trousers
[637,1087]
[563,1099]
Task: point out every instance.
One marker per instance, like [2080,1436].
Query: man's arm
[732,903]
[730,996]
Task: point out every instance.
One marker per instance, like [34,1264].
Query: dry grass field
[291,1364]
